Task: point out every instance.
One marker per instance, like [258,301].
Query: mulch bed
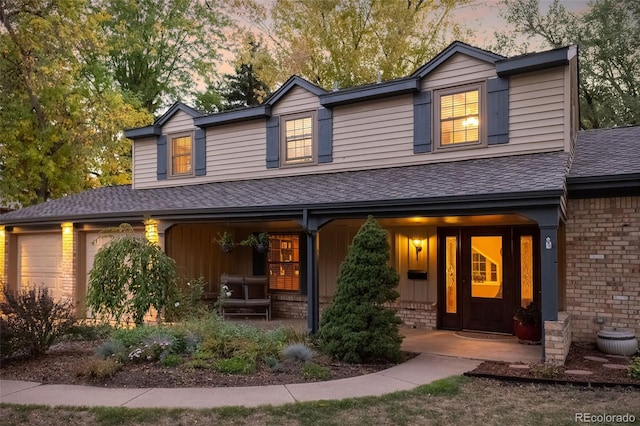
[601,376]
[68,363]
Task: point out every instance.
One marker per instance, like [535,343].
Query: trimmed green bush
[171,360]
[311,370]
[356,327]
[235,365]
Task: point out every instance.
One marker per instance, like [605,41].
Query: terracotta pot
[527,334]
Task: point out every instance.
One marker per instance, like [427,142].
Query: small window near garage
[298,139]
[284,262]
[181,155]
[459,117]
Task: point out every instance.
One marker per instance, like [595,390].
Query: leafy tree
[129,276]
[349,41]
[157,50]
[356,327]
[608,36]
[244,88]
[56,128]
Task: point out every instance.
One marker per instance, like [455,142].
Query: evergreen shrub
[356,327]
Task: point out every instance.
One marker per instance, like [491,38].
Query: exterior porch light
[417,243]
[151,231]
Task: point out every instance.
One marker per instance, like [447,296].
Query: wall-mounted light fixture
[151,230]
[417,243]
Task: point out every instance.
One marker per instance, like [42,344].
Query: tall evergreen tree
[244,88]
[356,327]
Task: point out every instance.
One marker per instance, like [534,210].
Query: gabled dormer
[465,103]
[180,147]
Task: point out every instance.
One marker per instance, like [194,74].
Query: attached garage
[40,261]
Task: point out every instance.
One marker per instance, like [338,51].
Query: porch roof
[511,179]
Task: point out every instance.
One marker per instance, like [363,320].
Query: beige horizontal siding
[144,162]
[459,69]
[180,122]
[380,130]
[374,134]
[297,100]
[536,114]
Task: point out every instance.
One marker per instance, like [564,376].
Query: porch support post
[549,272]
[313,293]
[548,221]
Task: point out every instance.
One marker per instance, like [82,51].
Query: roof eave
[444,205]
[599,186]
[143,132]
[380,90]
[535,61]
[245,114]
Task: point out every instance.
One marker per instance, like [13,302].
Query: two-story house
[473,164]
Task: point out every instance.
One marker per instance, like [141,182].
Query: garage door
[39,262]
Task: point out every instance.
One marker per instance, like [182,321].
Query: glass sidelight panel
[486,267]
[526,270]
[452,274]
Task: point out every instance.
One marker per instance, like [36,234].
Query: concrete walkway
[423,369]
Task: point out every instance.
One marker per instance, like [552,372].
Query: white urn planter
[617,341]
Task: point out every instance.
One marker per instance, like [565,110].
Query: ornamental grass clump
[299,352]
[356,327]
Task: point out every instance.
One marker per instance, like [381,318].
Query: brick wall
[557,339]
[603,265]
[413,314]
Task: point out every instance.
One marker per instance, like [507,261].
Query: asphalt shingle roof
[479,177]
[606,152]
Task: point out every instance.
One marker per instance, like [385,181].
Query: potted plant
[226,242]
[527,324]
[260,242]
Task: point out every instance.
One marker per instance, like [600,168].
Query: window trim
[171,138]
[298,262]
[482,116]
[314,138]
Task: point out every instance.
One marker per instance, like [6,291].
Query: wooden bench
[249,296]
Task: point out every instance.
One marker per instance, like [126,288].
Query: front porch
[439,342]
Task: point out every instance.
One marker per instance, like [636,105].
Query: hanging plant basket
[225,241]
[227,248]
[262,248]
[260,242]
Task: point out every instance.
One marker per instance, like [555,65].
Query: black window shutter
[273,142]
[200,152]
[325,135]
[161,145]
[421,122]
[498,110]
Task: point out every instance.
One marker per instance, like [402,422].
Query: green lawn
[452,401]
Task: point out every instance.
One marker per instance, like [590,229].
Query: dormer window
[181,155]
[298,139]
[459,117]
